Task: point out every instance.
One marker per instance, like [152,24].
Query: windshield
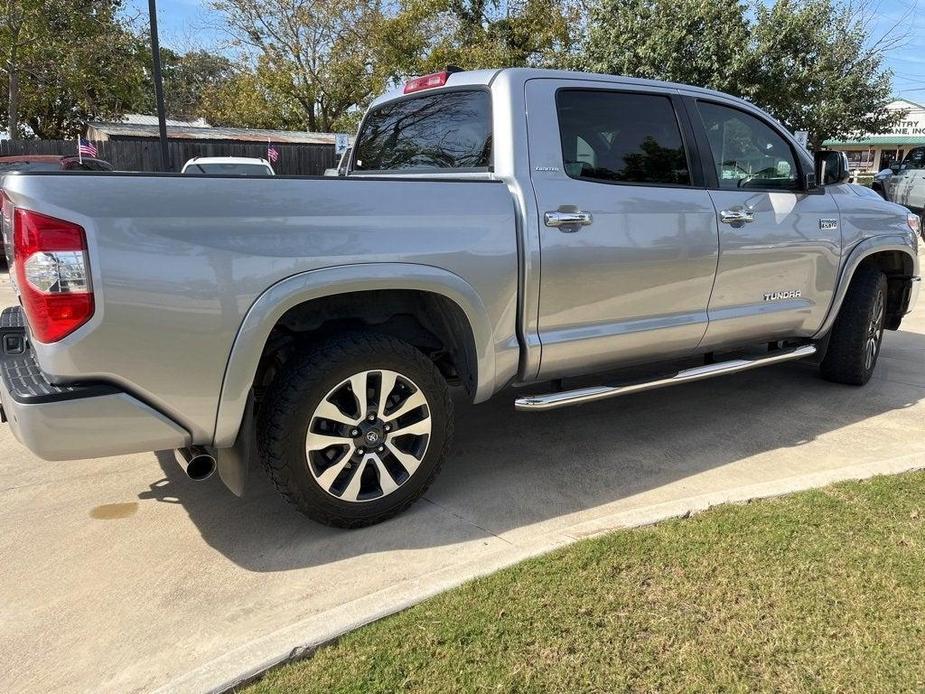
[444,130]
[229,169]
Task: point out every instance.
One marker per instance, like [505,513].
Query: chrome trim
[736,216]
[552,401]
[560,218]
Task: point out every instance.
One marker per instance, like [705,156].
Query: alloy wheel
[368,435]
[874,331]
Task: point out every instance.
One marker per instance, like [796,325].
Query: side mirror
[831,167]
[895,167]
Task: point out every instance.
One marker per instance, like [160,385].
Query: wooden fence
[144,154]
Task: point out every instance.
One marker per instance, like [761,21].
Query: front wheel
[355,431]
[857,335]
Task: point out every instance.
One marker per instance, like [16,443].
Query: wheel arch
[303,289]
[896,256]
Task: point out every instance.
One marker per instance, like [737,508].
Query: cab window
[621,137]
[747,153]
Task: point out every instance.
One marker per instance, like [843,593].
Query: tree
[820,70]
[65,62]
[319,52]
[187,78]
[427,35]
[812,64]
[699,42]
[331,57]
[250,98]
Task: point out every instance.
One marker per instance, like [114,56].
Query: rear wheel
[355,431]
[857,335]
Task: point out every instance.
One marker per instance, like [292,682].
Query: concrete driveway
[122,575]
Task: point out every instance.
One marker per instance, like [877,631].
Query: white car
[230,166]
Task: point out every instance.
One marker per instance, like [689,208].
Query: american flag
[86,148]
[272,153]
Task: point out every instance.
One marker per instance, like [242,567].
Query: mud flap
[235,463]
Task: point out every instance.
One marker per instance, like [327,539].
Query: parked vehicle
[51,162]
[342,164]
[881,181]
[907,184]
[228,166]
[494,228]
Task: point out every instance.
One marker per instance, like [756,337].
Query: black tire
[290,407]
[849,358]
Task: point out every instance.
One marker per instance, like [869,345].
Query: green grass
[818,591]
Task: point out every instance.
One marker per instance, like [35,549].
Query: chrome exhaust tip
[196,461]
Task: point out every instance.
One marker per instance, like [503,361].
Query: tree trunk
[13,104]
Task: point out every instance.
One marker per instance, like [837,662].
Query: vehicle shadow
[510,470]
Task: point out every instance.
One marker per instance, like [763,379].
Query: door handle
[567,219]
[736,216]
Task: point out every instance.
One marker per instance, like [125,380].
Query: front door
[910,181]
[779,246]
[627,238]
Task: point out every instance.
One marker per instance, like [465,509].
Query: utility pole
[158,86]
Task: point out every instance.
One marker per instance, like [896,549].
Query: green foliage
[65,62]
[819,70]
[811,63]
[187,77]
[696,42]
[252,98]
[314,53]
[316,64]
[426,35]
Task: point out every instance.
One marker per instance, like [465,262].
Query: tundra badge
[780,296]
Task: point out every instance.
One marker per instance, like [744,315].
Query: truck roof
[520,75]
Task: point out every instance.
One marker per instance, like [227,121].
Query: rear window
[432,132]
[229,169]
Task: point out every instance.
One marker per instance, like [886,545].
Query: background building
[868,154]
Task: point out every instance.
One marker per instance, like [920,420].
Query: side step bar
[553,401]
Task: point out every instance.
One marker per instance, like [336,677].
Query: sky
[186,24]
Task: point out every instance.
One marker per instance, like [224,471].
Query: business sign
[341,143]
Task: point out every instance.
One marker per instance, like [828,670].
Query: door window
[747,152]
[915,159]
[620,137]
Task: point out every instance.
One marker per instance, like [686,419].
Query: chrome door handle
[736,216]
[567,219]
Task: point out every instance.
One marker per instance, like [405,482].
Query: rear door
[627,231]
[779,246]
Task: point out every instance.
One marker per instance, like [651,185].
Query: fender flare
[270,306]
[868,247]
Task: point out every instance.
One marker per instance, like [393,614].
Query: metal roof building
[141,127]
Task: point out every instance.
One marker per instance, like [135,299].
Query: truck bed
[177,261]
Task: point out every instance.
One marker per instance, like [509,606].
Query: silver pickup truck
[494,228]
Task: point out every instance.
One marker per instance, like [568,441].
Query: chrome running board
[553,401]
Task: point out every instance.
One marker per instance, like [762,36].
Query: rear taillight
[6,226]
[52,274]
[438,79]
